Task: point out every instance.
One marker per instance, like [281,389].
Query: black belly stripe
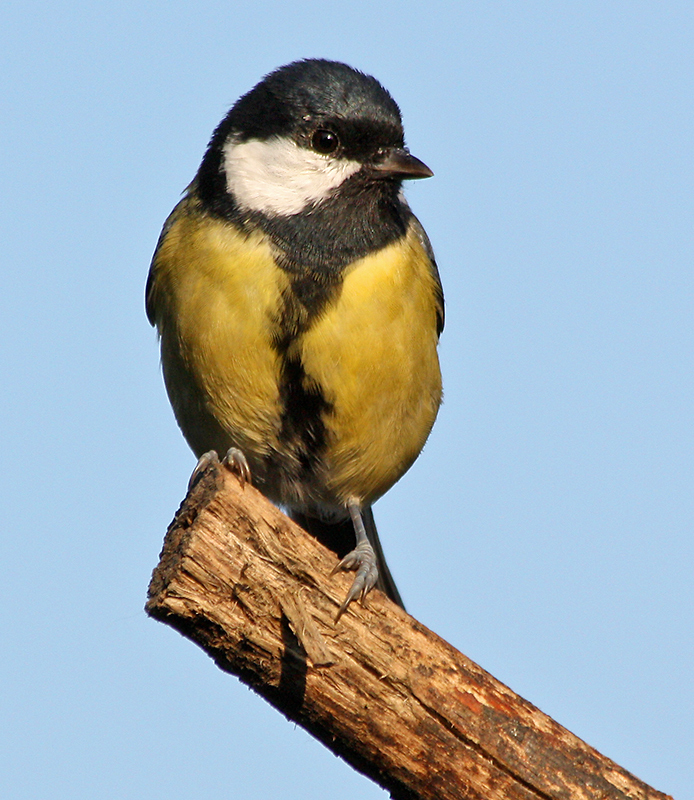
[304,408]
[303,432]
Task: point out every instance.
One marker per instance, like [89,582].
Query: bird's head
[305,133]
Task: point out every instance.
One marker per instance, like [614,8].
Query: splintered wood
[378,688]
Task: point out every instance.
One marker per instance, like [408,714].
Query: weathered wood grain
[379,689]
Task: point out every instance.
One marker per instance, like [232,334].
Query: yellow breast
[217,295]
[374,353]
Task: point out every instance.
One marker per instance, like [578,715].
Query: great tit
[299,305]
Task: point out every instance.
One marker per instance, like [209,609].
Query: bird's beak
[398,162]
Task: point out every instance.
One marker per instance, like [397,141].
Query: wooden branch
[379,689]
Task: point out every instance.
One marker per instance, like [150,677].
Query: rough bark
[392,698]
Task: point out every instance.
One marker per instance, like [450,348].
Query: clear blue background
[546,531]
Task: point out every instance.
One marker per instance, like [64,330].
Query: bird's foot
[234,460]
[237,462]
[363,560]
[204,461]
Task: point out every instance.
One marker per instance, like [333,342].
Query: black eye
[324,141]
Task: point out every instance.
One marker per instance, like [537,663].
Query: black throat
[365,215]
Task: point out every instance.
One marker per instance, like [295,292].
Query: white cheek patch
[279,177]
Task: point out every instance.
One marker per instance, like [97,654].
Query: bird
[298,305]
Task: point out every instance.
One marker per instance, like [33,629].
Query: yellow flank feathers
[215,292]
[374,353]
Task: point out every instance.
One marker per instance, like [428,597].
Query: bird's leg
[234,460]
[362,559]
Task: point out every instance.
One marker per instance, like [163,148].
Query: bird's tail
[340,538]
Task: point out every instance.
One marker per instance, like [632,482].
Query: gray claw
[363,560]
[204,461]
[237,462]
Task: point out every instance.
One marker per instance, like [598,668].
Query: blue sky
[546,530]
